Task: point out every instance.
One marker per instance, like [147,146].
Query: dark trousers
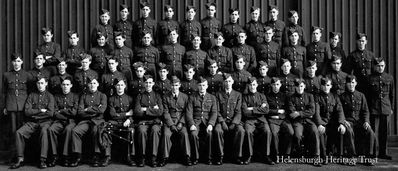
[81,129]
[329,139]
[359,141]
[153,130]
[310,131]
[264,134]
[284,131]
[201,135]
[126,133]
[12,122]
[26,131]
[234,139]
[57,128]
[380,124]
[181,137]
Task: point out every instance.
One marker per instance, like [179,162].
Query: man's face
[351,85]
[163,74]
[242,38]
[294,38]
[334,41]
[119,40]
[62,67]
[311,70]
[41,85]
[300,88]
[273,14]
[268,35]
[336,65]
[17,64]
[66,86]
[105,18]
[286,68]
[191,14]
[140,72]
[147,39]
[213,69]
[173,36]
[124,13]
[120,87]
[316,35]
[228,83]
[263,70]
[169,13]
[196,42]
[211,11]
[47,37]
[189,74]
[255,15]
[380,67]
[202,87]
[253,86]
[149,84]
[276,86]
[175,87]
[361,43]
[326,88]
[101,41]
[73,40]
[240,64]
[86,64]
[93,85]
[145,12]
[39,60]
[112,64]
[219,40]
[234,17]
[294,19]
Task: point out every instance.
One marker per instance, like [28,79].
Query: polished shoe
[66,163]
[141,162]
[194,161]
[188,161]
[95,162]
[131,162]
[247,161]
[52,162]
[385,156]
[18,164]
[153,163]
[209,162]
[42,164]
[75,163]
[162,162]
[219,161]
[106,161]
[269,161]
[239,161]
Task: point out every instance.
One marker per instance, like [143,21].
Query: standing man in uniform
[295,53]
[147,54]
[241,48]
[39,109]
[50,50]
[104,27]
[381,104]
[276,25]
[72,54]
[200,119]
[123,54]
[189,27]
[81,77]
[254,28]
[165,25]
[173,54]
[107,79]
[210,26]
[319,51]
[145,23]
[293,24]
[221,54]
[231,29]
[124,25]
[269,52]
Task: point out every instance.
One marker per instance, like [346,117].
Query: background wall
[21,20]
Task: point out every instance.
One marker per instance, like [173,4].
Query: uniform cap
[66,78]
[311,63]
[211,61]
[119,33]
[377,61]
[100,34]
[201,80]
[162,65]
[360,35]
[15,56]
[189,7]
[225,76]
[193,36]
[41,76]
[137,65]
[167,7]
[291,13]
[252,79]
[334,34]
[271,7]
[266,28]
[313,28]
[123,6]
[144,4]
[335,58]
[325,80]
[291,31]
[44,30]
[262,63]
[240,56]
[274,80]
[91,78]
[103,11]
[284,60]
[231,10]
[188,67]
[171,30]
[254,8]
[218,34]
[71,32]
[350,78]
[146,77]
[117,80]
[298,81]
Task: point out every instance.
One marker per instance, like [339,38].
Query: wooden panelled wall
[21,20]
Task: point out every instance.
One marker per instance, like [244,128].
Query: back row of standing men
[275,49]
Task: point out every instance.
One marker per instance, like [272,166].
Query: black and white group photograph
[198,85]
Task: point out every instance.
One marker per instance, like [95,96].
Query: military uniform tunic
[223,56]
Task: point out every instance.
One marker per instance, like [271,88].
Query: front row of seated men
[203,126]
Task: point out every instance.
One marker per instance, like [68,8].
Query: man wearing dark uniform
[104,27]
[100,54]
[254,28]
[293,24]
[107,79]
[163,84]
[189,27]
[210,26]
[147,54]
[81,76]
[165,25]
[240,76]
[173,54]
[295,53]
[312,82]
[276,25]
[221,54]
[145,23]
[231,29]
[50,50]
[319,51]
[337,76]
[241,48]
[287,78]
[124,25]
[189,85]
[269,52]
[214,77]
[56,80]
[37,70]
[123,54]
[196,57]
[72,54]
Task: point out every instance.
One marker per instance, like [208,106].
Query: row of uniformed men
[204,111]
